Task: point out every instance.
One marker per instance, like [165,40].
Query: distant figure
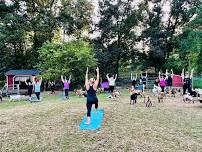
[143,80]
[29,89]
[162,82]
[112,82]
[133,80]
[156,89]
[187,81]
[169,81]
[52,87]
[66,84]
[37,86]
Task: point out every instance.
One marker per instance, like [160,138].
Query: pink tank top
[162,82]
[66,85]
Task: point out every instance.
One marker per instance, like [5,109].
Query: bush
[65,59]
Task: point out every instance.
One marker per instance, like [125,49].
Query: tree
[190,42]
[117,26]
[65,59]
[13,28]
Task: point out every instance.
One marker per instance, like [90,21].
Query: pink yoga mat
[177,81]
[105,85]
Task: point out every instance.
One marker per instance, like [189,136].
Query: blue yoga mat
[96,120]
[140,87]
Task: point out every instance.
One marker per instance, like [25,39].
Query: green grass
[53,125]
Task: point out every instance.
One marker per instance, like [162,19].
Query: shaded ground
[53,125]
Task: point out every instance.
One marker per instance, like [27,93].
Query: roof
[23,72]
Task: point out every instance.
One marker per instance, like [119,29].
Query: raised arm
[192,73]
[171,73]
[62,79]
[146,73]
[33,79]
[115,77]
[26,82]
[166,73]
[70,77]
[107,76]
[159,75]
[86,80]
[131,77]
[141,73]
[97,79]
[41,79]
[182,74]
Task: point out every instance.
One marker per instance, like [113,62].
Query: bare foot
[87,123]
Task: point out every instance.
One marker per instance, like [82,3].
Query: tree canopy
[56,35]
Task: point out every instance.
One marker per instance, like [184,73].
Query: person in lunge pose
[91,88]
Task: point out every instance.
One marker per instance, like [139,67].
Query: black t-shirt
[169,81]
[133,82]
[30,87]
[144,79]
[156,83]
[187,81]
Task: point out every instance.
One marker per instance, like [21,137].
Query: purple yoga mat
[105,85]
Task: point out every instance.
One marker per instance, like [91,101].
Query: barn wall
[10,81]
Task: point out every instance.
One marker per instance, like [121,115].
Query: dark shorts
[162,88]
[30,92]
[92,99]
[133,96]
[111,89]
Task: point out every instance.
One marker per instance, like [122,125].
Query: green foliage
[116,42]
[175,63]
[65,59]
[190,43]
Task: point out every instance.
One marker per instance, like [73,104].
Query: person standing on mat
[187,81]
[162,79]
[37,86]
[134,80]
[52,86]
[112,82]
[91,88]
[169,81]
[143,79]
[66,85]
[29,88]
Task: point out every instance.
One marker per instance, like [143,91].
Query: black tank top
[187,81]
[91,92]
[134,82]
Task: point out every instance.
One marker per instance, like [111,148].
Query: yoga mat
[34,99]
[177,81]
[96,120]
[140,87]
[105,85]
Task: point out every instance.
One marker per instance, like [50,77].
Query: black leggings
[89,107]
[37,95]
[53,89]
[66,93]
[185,87]
[29,93]
[111,89]
[162,88]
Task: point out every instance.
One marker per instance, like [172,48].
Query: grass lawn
[53,125]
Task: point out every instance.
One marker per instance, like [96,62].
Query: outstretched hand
[87,70]
[97,69]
